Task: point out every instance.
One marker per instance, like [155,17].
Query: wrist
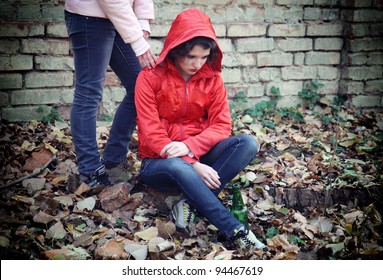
[140,46]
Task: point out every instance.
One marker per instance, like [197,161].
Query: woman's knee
[249,142]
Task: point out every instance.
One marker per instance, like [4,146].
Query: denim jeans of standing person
[96,44]
[229,157]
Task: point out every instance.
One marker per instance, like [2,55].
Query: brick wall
[281,43]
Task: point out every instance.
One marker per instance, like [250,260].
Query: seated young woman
[184,127]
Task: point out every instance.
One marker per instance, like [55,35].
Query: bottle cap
[236,185]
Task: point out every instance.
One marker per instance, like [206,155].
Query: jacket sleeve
[125,21]
[150,129]
[219,122]
[144,9]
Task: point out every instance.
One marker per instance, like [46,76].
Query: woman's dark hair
[183,49]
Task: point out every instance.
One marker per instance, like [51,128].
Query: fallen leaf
[356,216]
[299,138]
[83,240]
[24,199]
[247,119]
[34,184]
[323,224]
[299,217]
[56,231]
[64,200]
[224,255]
[148,233]
[113,249]
[164,246]
[140,218]
[59,180]
[347,143]
[260,178]
[281,241]
[281,146]
[165,230]
[28,146]
[251,176]
[82,188]
[335,247]
[152,245]
[37,159]
[289,157]
[43,218]
[4,241]
[86,204]
[50,148]
[138,251]
[189,242]
[67,253]
[265,205]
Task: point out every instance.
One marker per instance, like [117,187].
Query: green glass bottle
[238,207]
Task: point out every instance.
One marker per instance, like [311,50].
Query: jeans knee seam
[236,148]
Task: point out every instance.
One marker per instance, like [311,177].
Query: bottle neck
[237,198]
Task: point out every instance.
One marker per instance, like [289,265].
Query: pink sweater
[129,17]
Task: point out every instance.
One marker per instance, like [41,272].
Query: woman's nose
[198,63]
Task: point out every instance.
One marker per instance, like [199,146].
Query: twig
[34,173]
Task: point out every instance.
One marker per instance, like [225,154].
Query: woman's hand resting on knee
[208,175]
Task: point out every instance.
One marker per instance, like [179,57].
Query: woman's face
[192,62]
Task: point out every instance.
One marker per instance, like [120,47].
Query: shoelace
[247,241]
[188,213]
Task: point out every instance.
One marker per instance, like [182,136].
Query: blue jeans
[228,158]
[96,44]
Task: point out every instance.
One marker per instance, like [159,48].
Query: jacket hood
[187,25]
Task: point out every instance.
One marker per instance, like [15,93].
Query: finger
[152,58]
[211,185]
[150,63]
[214,180]
[215,174]
[164,150]
[141,61]
[216,183]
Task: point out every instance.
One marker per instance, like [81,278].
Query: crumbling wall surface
[278,43]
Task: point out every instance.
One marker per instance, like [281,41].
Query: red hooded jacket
[169,109]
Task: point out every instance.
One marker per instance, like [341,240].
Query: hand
[146,34]
[148,58]
[175,149]
[208,175]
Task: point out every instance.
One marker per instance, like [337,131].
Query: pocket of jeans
[145,162]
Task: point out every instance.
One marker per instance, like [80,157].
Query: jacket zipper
[186,96]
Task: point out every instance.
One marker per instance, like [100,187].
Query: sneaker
[182,215]
[97,178]
[245,238]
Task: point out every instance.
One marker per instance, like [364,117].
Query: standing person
[184,127]
[102,33]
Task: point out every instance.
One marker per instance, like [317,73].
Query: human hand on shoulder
[148,59]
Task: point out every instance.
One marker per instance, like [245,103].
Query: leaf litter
[45,214]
